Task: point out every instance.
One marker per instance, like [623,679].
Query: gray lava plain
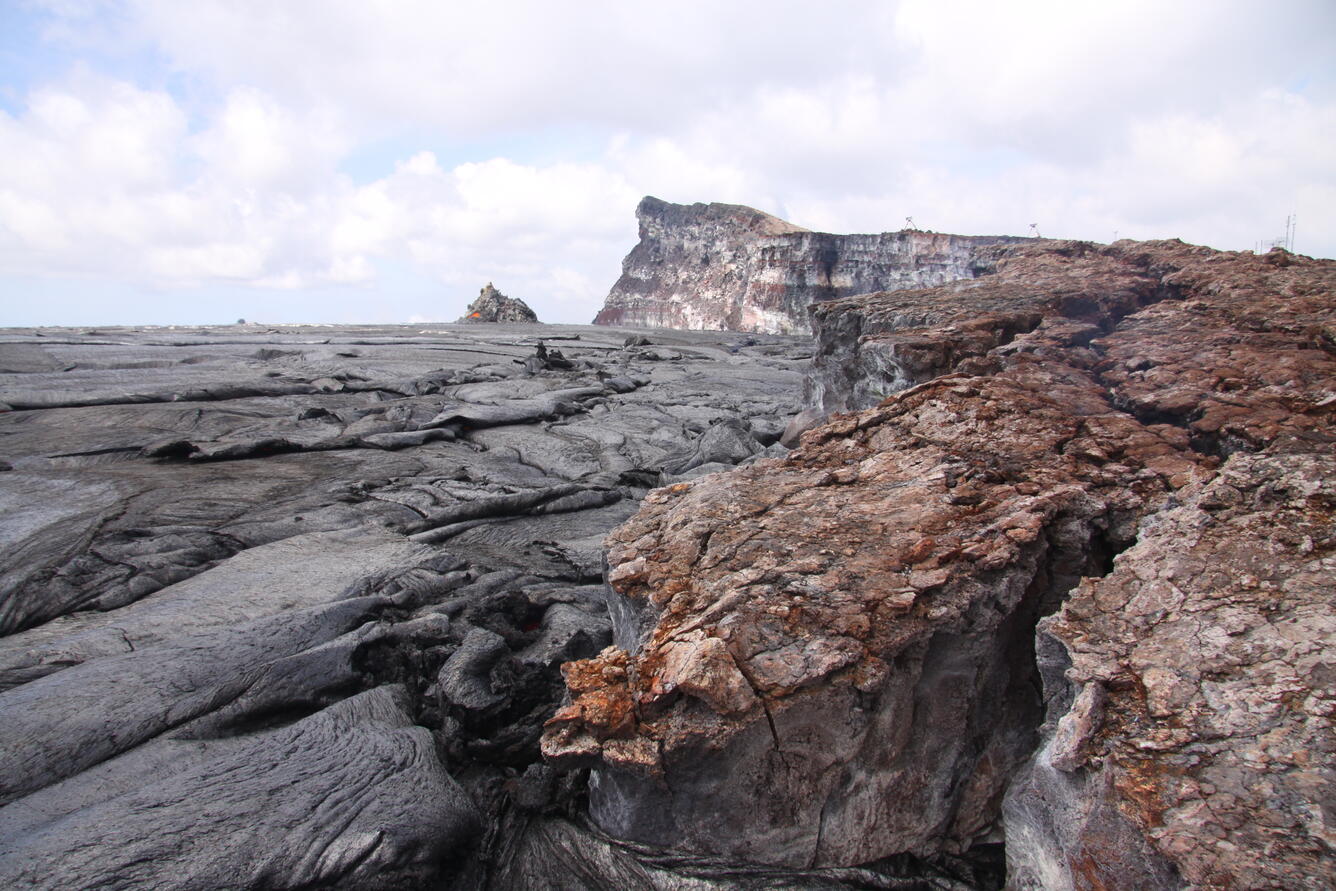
[285,606]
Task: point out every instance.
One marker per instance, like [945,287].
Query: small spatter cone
[493,306]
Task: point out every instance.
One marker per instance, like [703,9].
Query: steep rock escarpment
[728,267]
[832,657]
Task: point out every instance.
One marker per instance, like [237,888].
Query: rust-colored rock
[879,589]
[1201,670]
[872,345]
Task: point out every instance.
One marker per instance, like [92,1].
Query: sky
[340,161]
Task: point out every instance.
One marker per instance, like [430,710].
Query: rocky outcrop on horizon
[493,306]
[728,267]
[1068,588]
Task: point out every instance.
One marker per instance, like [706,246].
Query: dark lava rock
[288,609]
[493,306]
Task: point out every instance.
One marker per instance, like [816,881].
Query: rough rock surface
[286,608]
[728,267]
[872,345]
[1192,741]
[493,306]
[829,658]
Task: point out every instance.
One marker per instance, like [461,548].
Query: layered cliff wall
[729,267]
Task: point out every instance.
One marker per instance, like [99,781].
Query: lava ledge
[1122,499]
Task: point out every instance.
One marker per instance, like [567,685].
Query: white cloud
[510,65]
[541,233]
[1090,119]
[255,142]
[1205,120]
[89,131]
[103,178]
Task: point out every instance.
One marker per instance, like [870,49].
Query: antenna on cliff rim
[909,224]
[1286,241]
[1034,229]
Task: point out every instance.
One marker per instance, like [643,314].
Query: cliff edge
[726,267]
[1067,587]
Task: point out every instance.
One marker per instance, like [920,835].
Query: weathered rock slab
[1199,725]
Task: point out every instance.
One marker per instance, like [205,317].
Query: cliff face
[728,267]
[1106,474]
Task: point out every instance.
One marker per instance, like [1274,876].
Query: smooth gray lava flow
[285,606]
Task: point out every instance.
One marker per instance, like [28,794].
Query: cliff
[728,267]
[285,608]
[1075,569]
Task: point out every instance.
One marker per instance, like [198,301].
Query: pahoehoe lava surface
[285,607]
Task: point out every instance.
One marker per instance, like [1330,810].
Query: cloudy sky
[340,160]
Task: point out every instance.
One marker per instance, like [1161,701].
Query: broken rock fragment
[493,306]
